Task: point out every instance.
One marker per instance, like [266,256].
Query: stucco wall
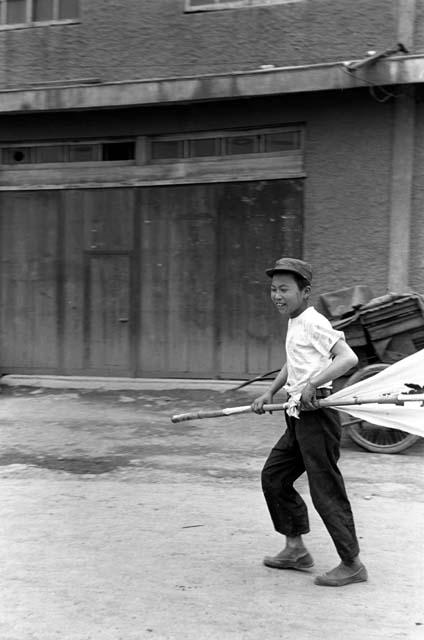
[146,39]
[416,267]
[418,44]
[347,195]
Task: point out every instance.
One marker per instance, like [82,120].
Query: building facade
[156,157]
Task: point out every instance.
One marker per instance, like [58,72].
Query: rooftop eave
[259,82]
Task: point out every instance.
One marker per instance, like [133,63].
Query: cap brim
[271,272]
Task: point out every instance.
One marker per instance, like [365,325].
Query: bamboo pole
[396,399]
[229,411]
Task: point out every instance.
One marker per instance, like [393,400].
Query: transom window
[236,143]
[215,5]
[31,12]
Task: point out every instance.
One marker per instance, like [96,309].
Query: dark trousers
[312,444]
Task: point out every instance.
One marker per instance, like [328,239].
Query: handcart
[381,331]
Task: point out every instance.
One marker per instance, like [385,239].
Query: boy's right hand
[258,403]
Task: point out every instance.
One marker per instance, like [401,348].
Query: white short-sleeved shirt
[310,338]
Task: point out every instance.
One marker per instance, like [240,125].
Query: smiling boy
[316,355]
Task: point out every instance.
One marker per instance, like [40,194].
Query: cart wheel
[372,437]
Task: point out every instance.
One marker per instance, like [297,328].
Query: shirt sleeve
[323,337]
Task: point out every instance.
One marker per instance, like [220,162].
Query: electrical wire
[372,87]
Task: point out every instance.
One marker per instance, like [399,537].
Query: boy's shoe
[289,560]
[337,578]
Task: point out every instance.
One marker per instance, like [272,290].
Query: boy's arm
[343,360]
[266,398]
[279,381]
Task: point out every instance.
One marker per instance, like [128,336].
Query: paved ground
[118,525]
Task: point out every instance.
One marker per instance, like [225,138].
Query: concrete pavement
[116,524]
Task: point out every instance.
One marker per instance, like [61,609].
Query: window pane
[242,144]
[15,11]
[83,152]
[164,149]
[282,141]
[52,153]
[204,147]
[42,10]
[68,9]
[200,3]
[118,151]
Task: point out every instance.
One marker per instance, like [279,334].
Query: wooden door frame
[87,255]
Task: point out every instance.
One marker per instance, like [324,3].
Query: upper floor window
[209,146]
[31,12]
[229,143]
[215,5]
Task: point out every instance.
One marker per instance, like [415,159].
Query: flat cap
[294,265]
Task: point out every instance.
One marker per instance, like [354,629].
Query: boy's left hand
[308,401]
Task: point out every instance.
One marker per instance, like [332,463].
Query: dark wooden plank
[178,258]
[258,223]
[135,286]
[29,299]
[154,284]
[60,283]
[193,230]
[73,214]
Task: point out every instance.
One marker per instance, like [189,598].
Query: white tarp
[409,417]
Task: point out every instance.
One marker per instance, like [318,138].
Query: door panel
[178,279]
[96,222]
[29,281]
[258,223]
[108,322]
[204,305]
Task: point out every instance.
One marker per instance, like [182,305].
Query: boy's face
[286,295]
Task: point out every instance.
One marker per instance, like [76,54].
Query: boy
[316,354]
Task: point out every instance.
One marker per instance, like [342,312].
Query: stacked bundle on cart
[383,329]
[395,324]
